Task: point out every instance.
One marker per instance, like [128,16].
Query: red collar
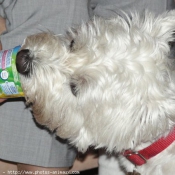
[140,157]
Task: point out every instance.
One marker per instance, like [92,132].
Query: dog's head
[112,75]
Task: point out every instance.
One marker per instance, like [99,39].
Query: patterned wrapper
[10,86]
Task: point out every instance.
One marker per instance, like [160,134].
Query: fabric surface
[110,8]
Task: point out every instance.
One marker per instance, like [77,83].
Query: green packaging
[10,85]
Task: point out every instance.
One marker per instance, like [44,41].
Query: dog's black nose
[23,61]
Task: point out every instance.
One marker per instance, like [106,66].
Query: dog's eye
[172,50]
[72,44]
[172,47]
[73,89]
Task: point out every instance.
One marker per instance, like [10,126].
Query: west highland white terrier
[108,83]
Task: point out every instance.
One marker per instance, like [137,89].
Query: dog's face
[41,64]
[110,85]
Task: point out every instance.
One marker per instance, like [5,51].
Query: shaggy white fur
[109,83]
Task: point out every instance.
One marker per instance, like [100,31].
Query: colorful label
[10,85]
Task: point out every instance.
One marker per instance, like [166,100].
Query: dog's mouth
[24,62]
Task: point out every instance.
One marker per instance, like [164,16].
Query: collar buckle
[135,157]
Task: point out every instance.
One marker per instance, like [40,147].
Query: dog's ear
[172,48]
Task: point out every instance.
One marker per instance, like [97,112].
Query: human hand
[2,25]
[2,28]
[2,100]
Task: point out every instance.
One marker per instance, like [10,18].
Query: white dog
[109,83]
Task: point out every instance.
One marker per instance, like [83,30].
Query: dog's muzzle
[23,62]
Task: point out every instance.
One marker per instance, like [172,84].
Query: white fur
[124,83]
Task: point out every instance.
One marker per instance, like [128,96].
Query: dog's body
[110,85]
